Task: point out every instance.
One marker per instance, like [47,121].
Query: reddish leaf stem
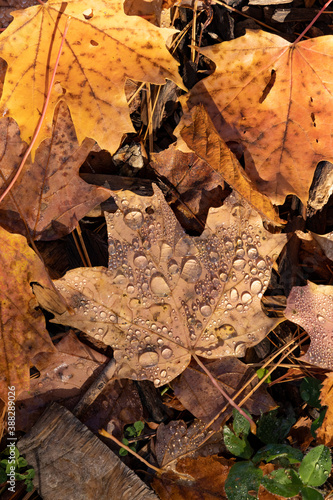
[312,22]
[41,119]
[225,395]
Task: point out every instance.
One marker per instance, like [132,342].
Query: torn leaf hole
[268,87]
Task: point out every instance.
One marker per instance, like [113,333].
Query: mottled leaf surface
[274,98]
[311,307]
[103,48]
[22,326]
[167,295]
[49,197]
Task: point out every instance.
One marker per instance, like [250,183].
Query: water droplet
[157,382]
[140,260]
[191,270]
[233,294]
[238,264]
[320,318]
[224,277]
[229,244]
[133,219]
[130,289]
[166,353]
[261,264]
[206,310]
[213,256]
[240,349]
[148,358]
[166,252]
[163,373]
[159,286]
[173,266]
[252,252]
[256,286]
[246,297]
[240,252]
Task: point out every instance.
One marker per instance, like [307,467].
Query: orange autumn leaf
[275,99]
[22,332]
[103,48]
[325,431]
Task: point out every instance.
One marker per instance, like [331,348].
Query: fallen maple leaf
[166,295]
[275,98]
[49,197]
[103,48]
[325,432]
[311,307]
[23,333]
[202,137]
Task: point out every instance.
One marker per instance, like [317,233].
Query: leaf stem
[225,395]
[312,22]
[41,119]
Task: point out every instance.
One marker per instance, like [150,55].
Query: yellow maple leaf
[103,47]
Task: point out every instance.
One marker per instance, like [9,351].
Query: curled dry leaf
[23,333]
[49,197]
[311,307]
[325,431]
[202,137]
[196,392]
[196,186]
[103,48]
[167,295]
[274,97]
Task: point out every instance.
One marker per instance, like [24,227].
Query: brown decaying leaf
[196,392]
[49,196]
[103,48]
[167,295]
[175,440]
[311,307]
[198,187]
[23,333]
[325,432]
[63,374]
[201,136]
[209,473]
[274,98]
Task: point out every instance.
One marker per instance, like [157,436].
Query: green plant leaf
[123,452]
[21,462]
[316,466]
[139,426]
[284,482]
[310,391]
[261,372]
[243,477]
[275,451]
[3,476]
[272,429]
[318,422]
[310,494]
[240,424]
[29,484]
[239,447]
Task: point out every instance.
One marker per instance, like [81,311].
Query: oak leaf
[22,333]
[167,295]
[311,307]
[49,197]
[103,48]
[275,98]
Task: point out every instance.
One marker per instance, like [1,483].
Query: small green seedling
[131,432]
[296,474]
[21,470]
[310,393]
